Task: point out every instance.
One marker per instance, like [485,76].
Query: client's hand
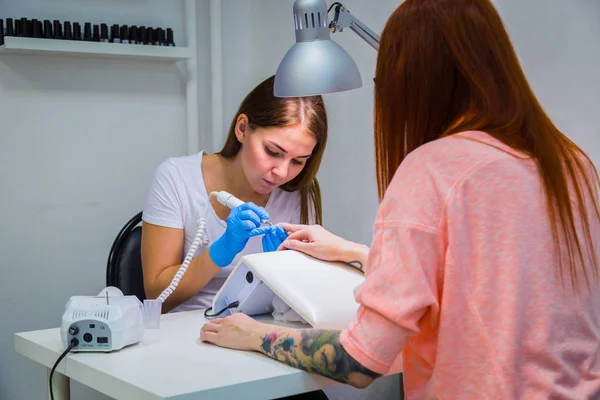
[238,331]
[273,238]
[317,242]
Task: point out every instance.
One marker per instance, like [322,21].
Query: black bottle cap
[37,29]
[161,39]
[57,30]
[124,32]
[26,30]
[18,28]
[133,34]
[68,30]
[76,31]
[96,37]
[9,27]
[1,31]
[87,32]
[48,29]
[115,32]
[103,32]
[143,35]
[170,40]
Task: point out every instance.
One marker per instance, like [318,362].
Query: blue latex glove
[241,221]
[273,238]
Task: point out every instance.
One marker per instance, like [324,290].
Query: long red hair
[448,66]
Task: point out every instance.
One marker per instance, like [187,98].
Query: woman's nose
[281,169]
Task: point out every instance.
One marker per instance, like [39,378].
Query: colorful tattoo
[316,351]
[267,343]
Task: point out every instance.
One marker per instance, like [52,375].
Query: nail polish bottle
[1,31]
[150,34]
[34,28]
[57,30]
[96,37]
[9,27]
[133,35]
[26,30]
[48,29]
[157,37]
[18,28]
[104,33]
[163,37]
[124,34]
[143,35]
[68,32]
[170,41]
[37,29]
[115,34]
[76,31]
[87,32]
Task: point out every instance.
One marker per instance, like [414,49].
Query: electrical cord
[210,316]
[74,342]
[201,237]
[359,267]
[333,5]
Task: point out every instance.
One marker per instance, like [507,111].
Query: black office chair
[124,265]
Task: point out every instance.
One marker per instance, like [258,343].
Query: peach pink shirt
[462,279]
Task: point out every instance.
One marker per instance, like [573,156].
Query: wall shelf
[76,48]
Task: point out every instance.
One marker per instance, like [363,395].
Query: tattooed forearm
[316,351]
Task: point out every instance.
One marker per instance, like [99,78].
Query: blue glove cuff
[219,253]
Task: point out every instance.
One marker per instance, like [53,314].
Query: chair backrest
[124,265]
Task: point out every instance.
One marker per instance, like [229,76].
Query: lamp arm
[344,19]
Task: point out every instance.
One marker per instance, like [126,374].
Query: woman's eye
[297,162]
[270,152]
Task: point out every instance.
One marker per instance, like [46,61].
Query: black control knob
[73,330]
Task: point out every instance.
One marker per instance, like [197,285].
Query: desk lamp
[316,64]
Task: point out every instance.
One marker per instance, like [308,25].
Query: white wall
[79,142]
[560,58]
[204,74]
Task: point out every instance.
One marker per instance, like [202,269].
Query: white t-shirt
[178,198]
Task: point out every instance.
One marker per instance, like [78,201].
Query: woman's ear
[241,128]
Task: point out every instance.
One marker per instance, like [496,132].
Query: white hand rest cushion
[320,292]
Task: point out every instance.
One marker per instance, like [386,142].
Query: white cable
[201,237]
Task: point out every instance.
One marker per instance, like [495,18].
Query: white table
[169,363]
